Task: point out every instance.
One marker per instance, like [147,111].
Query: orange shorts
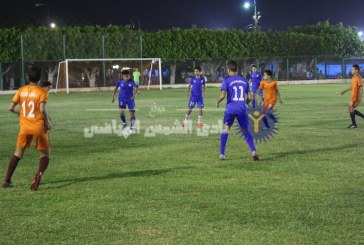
[25,140]
[269,104]
[354,104]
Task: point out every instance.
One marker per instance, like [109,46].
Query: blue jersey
[236,88]
[256,78]
[197,84]
[126,89]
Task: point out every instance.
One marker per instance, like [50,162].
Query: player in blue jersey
[235,88]
[255,78]
[198,92]
[128,90]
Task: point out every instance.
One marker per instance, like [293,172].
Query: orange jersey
[29,98]
[270,90]
[356,86]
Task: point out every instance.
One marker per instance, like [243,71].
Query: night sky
[163,14]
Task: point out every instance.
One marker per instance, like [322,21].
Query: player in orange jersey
[34,125]
[356,95]
[271,92]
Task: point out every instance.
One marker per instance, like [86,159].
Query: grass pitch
[308,187]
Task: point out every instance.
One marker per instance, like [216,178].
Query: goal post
[98,74]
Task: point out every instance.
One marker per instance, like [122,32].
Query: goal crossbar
[66,62]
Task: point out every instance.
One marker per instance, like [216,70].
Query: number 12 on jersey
[31,111]
[239,93]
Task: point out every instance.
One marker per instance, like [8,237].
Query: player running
[198,85]
[235,88]
[271,91]
[255,78]
[128,89]
[356,95]
[34,125]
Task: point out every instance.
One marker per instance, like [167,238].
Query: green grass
[308,187]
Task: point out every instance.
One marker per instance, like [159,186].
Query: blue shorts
[240,115]
[196,100]
[130,103]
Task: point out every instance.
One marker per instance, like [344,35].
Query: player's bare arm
[113,96]
[45,115]
[345,91]
[188,90]
[257,92]
[12,108]
[360,93]
[279,97]
[135,90]
[221,98]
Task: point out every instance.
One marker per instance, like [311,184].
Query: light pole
[256,16]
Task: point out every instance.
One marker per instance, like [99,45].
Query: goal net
[103,74]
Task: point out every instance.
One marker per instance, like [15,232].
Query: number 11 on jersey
[238,96]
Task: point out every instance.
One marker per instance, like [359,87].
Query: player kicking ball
[271,92]
[235,88]
[356,95]
[128,90]
[198,92]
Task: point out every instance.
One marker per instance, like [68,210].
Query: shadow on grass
[142,173]
[307,151]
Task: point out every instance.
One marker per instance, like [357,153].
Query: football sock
[265,121]
[271,116]
[249,140]
[132,122]
[187,118]
[43,164]
[199,119]
[122,117]
[358,113]
[352,116]
[253,103]
[223,140]
[11,168]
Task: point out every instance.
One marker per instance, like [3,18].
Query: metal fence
[47,53]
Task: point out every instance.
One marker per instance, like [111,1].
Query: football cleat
[200,125]
[222,157]
[352,126]
[255,156]
[124,125]
[184,124]
[6,185]
[36,181]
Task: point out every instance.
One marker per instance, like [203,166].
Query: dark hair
[45,84]
[233,66]
[198,68]
[34,74]
[269,73]
[356,66]
[125,72]
[254,66]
